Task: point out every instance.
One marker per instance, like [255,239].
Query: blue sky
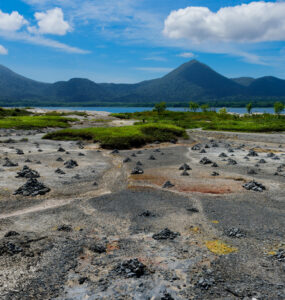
[134,40]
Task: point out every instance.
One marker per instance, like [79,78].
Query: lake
[238,110]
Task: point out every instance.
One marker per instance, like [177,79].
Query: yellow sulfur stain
[195,229]
[215,222]
[271,252]
[220,248]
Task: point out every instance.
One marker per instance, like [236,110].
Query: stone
[168,184]
[223,155]
[19,151]
[214,165]
[231,162]
[26,172]
[147,213]
[64,227]
[59,159]
[70,164]
[254,186]
[11,233]
[205,161]
[215,174]
[235,233]
[203,151]
[196,147]
[60,149]
[130,268]
[32,188]
[165,234]
[152,158]
[192,209]
[185,173]
[81,154]
[262,161]
[126,160]
[59,171]
[115,151]
[185,167]
[139,163]
[137,171]
[9,163]
[251,172]
[252,153]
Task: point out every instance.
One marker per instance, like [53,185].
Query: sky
[127,41]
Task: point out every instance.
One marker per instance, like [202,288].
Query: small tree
[160,107]
[278,107]
[223,111]
[193,106]
[249,108]
[205,107]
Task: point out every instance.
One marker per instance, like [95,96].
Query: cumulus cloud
[186,54]
[3,50]
[51,22]
[253,22]
[11,22]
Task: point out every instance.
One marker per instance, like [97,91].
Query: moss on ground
[124,137]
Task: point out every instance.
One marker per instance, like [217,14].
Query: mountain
[245,81]
[191,81]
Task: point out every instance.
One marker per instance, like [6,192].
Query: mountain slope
[191,81]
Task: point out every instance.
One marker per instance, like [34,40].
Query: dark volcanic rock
[205,283]
[203,151]
[184,173]
[26,172]
[137,170]
[185,167]
[252,153]
[168,184]
[70,164]
[60,149]
[81,154]
[270,154]
[223,155]
[19,151]
[126,160]
[32,188]
[192,209]
[64,227]
[235,233]
[59,171]
[59,159]
[205,161]
[215,174]
[152,158]
[130,268]
[251,172]
[262,161]
[9,163]
[231,162]
[139,163]
[280,255]
[214,165]
[196,147]
[9,248]
[165,234]
[11,233]
[115,151]
[254,186]
[147,213]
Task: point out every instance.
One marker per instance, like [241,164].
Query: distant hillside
[191,81]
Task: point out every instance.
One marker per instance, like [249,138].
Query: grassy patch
[13,112]
[211,120]
[124,137]
[62,114]
[30,122]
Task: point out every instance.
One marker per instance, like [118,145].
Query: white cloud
[3,50]
[51,22]
[186,54]
[253,22]
[11,22]
[154,70]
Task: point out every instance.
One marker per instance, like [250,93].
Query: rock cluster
[165,234]
[130,268]
[254,186]
[70,164]
[235,233]
[32,188]
[26,172]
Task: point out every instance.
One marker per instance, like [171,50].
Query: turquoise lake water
[238,110]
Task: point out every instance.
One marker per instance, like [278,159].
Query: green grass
[124,137]
[211,120]
[13,112]
[31,122]
[68,113]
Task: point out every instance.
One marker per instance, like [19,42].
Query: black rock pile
[147,213]
[19,151]
[232,162]
[205,283]
[185,167]
[280,255]
[64,227]
[126,160]
[9,163]
[32,188]
[137,171]
[254,186]
[196,147]
[168,184]
[223,155]
[26,172]
[252,153]
[59,171]
[70,164]
[235,233]
[184,173]
[165,234]
[130,268]
[60,149]
[205,161]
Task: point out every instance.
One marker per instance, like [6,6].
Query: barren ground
[114,220]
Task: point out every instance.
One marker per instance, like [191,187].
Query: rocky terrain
[200,219]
